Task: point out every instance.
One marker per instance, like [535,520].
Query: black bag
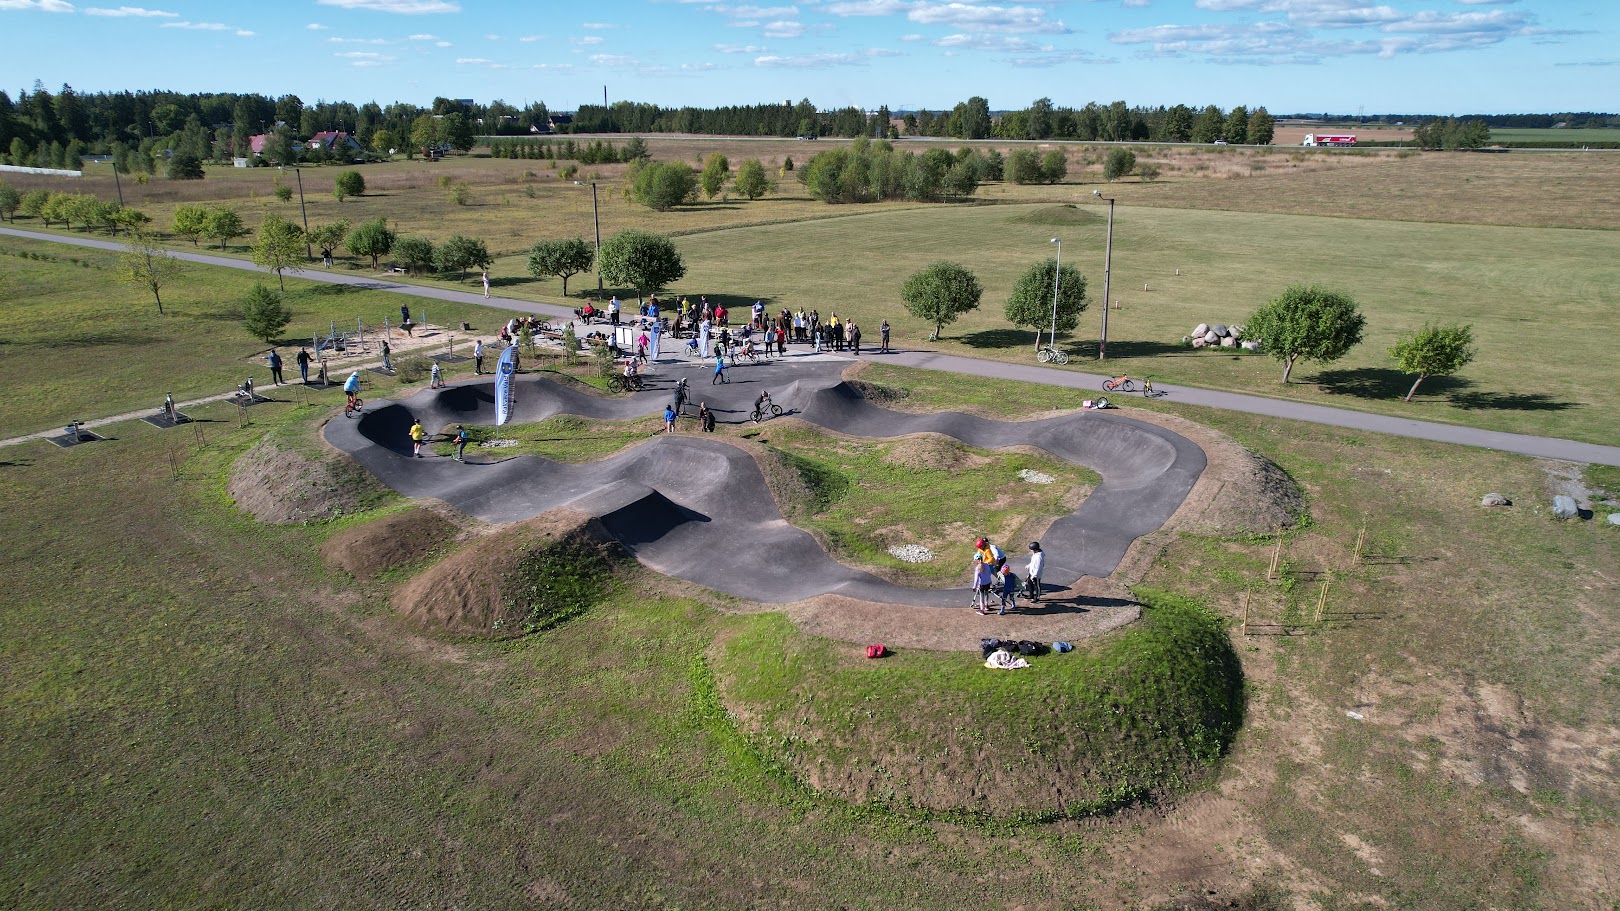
[1026,647]
[989,645]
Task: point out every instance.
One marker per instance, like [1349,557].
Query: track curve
[698,508]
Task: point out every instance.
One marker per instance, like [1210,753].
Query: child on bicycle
[351,388]
[1009,589]
[762,404]
[983,580]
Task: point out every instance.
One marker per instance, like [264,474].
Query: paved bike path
[1522,444]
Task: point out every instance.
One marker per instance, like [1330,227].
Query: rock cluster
[911,553]
[1219,335]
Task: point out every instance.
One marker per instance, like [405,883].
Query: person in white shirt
[1032,576]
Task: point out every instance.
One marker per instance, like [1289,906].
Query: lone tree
[461,254]
[146,265]
[191,221]
[372,238]
[185,166]
[940,293]
[1434,350]
[716,168]
[224,225]
[1307,321]
[264,315]
[751,181]
[1118,163]
[329,237]
[1054,166]
[662,186]
[349,183]
[414,253]
[279,247]
[561,258]
[641,260]
[1030,303]
[11,198]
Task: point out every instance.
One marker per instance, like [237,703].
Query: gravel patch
[911,553]
[1035,477]
[497,444]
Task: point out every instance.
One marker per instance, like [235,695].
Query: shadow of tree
[1152,349]
[1510,401]
[999,338]
[1385,383]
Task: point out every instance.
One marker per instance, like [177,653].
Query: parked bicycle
[1121,383]
[1050,355]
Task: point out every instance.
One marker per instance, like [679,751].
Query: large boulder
[1228,342]
[1199,343]
[1210,338]
[1614,518]
[1220,329]
[1564,507]
[1202,328]
[1249,346]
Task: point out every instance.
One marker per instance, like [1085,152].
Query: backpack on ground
[876,650]
[1026,647]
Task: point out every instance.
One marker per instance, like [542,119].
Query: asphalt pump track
[696,507]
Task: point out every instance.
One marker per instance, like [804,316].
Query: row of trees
[594,152]
[943,291]
[870,171]
[69,209]
[640,260]
[661,186]
[1451,134]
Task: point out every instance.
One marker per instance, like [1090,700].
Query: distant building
[341,143]
[560,122]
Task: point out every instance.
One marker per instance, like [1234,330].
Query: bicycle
[759,414]
[1122,383]
[1050,355]
[353,405]
[622,383]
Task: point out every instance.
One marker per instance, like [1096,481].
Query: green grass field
[198,712]
[1574,138]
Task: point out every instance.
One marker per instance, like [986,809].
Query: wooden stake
[1321,602]
[1276,562]
[1361,540]
[1245,612]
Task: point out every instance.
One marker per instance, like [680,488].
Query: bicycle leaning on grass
[1050,355]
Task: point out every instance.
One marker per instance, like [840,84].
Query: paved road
[1523,444]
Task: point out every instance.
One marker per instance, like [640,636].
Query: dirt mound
[286,481]
[394,540]
[876,393]
[520,579]
[1063,215]
[932,453]
[1240,493]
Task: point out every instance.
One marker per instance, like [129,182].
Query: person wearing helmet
[991,554]
[1032,576]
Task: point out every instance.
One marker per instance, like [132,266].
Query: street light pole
[1108,263]
[309,250]
[1057,276]
[596,218]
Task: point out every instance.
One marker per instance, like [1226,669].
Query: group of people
[419,436]
[990,572]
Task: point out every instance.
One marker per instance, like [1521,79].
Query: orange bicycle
[1122,383]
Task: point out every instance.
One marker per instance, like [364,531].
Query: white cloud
[753,12]
[587,41]
[1056,59]
[356,41]
[206,27]
[868,7]
[422,38]
[317,27]
[823,61]
[740,48]
[134,11]
[783,30]
[911,37]
[362,55]
[993,43]
[475,61]
[699,67]
[528,38]
[442,44]
[1136,4]
[597,25]
[552,66]
[492,37]
[987,18]
[403,7]
[44,6]
[614,60]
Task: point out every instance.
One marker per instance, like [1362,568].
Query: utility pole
[1108,264]
[309,249]
[596,216]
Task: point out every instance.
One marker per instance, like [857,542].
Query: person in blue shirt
[719,368]
[351,386]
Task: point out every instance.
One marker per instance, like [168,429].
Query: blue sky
[1420,56]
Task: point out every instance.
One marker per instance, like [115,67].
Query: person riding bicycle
[351,387]
[632,375]
[762,404]
[747,348]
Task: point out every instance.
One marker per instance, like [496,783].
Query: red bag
[876,651]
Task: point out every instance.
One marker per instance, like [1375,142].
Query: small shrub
[530,191]
[606,365]
[413,368]
[1148,172]
[568,171]
[444,181]
[460,194]
[283,193]
[570,345]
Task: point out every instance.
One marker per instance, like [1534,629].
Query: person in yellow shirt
[417,436]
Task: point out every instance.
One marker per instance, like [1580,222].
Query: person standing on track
[1032,576]
[478,356]
[275,366]
[461,442]
[883,338]
[669,418]
[855,337]
[719,367]
[983,578]
[705,417]
[417,436]
[303,364]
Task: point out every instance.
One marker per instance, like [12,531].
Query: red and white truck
[1327,139]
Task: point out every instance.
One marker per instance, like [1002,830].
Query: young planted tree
[751,181]
[1306,321]
[940,294]
[349,183]
[191,221]
[662,186]
[279,247]
[146,265]
[1054,166]
[1024,166]
[224,225]
[1030,303]
[461,254]
[1118,163]
[10,199]
[641,260]
[716,168]
[561,258]
[414,253]
[372,238]
[264,314]
[1434,350]
[329,237]
[33,203]
[185,166]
